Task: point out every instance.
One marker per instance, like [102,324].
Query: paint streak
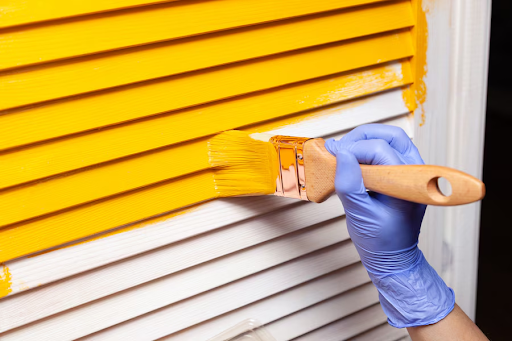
[367,82]
[420,90]
[416,95]
[5,281]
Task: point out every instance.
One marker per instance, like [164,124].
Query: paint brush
[297,167]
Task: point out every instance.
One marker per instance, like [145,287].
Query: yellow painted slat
[19,12]
[88,112]
[128,66]
[118,177]
[91,219]
[113,30]
[65,155]
[86,220]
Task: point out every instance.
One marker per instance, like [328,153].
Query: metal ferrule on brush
[291,181]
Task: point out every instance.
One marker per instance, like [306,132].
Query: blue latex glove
[385,230]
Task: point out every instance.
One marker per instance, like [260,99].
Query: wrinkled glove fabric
[385,230]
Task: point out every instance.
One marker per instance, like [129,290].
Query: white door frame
[452,133]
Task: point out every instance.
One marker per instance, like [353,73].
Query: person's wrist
[414,296]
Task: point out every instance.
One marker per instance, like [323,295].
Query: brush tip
[243,164]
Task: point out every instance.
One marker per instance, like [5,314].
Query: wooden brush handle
[416,183]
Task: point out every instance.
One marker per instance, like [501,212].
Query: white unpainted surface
[141,328]
[178,287]
[288,302]
[92,285]
[322,313]
[347,327]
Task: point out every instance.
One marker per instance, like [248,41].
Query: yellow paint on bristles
[244,164]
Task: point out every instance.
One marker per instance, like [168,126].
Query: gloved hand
[385,230]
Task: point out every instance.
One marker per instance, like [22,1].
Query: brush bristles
[243,166]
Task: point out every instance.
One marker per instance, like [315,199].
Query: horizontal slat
[172,93]
[348,326]
[278,306]
[87,220]
[29,272]
[203,286]
[159,166]
[53,120]
[383,332]
[320,314]
[80,36]
[60,296]
[154,61]
[93,218]
[19,12]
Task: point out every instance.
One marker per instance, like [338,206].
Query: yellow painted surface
[41,43]
[416,95]
[154,61]
[142,148]
[19,12]
[420,59]
[155,97]
[66,155]
[91,219]
[96,217]
[190,157]
[5,281]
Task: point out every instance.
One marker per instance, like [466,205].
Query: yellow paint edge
[416,95]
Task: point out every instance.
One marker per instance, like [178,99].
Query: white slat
[314,317]
[384,332]
[41,302]
[347,327]
[165,291]
[31,272]
[214,303]
[278,306]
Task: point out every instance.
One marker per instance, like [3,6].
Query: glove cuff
[414,297]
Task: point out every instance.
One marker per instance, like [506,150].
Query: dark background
[494,296]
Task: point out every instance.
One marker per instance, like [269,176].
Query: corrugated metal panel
[105,110]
